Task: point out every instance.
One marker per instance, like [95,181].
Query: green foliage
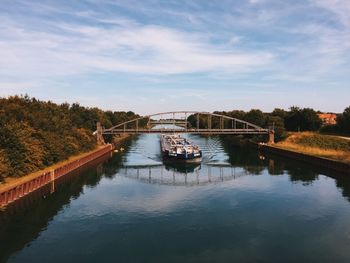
[298,119]
[330,129]
[5,165]
[343,121]
[279,113]
[277,123]
[35,134]
[256,117]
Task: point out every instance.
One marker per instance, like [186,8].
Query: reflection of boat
[182,167]
[176,148]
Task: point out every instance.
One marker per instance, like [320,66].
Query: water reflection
[178,175]
[135,178]
[183,167]
[22,221]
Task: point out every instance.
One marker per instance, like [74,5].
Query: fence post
[52,184]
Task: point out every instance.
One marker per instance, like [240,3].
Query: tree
[279,112]
[298,119]
[35,133]
[343,121]
[310,120]
[256,117]
[277,123]
[5,165]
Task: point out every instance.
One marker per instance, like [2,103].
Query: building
[328,118]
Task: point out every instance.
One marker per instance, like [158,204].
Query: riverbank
[330,152]
[12,182]
[15,188]
[324,146]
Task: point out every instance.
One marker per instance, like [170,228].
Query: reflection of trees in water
[24,219]
[306,173]
[297,173]
[274,168]
[112,166]
[344,184]
[242,154]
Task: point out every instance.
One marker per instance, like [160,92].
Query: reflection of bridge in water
[202,175]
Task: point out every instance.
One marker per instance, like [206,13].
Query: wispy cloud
[164,46]
[124,46]
[341,8]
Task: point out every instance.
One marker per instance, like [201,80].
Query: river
[238,205]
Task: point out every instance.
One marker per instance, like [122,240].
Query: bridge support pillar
[99,136]
[271,137]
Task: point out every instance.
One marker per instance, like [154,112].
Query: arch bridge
[194,122]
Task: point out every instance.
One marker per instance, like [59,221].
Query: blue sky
[150,56]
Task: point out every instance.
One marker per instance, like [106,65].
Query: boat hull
[181,158]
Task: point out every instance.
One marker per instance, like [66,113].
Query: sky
[153,56]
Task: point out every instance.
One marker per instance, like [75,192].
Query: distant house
[328,118]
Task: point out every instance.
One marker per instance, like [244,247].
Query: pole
[197,121]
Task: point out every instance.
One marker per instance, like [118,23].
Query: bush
[35,134]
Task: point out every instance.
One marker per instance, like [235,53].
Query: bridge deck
[192,131]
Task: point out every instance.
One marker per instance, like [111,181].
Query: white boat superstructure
[178,148]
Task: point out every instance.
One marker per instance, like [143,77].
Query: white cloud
[339,7]
[218,49]
[121,48]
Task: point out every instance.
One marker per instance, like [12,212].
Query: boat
[176,148]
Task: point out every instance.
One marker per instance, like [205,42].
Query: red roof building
[328,118]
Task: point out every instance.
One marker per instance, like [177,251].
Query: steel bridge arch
[248,127]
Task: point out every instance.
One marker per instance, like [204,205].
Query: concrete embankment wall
[319,161]
[10,194]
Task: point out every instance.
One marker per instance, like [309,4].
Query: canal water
[238,205]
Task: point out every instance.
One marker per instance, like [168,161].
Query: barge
[175,148]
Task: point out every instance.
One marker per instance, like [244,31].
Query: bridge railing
[237,125]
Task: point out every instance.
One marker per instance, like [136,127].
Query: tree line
[35,134]
[294,119]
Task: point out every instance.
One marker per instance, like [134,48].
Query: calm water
[237,206]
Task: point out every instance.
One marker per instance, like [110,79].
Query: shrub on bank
[35,134]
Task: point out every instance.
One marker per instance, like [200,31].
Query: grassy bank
[327,146]
[10,182]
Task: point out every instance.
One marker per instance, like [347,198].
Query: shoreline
[14,181]
[327,163]
[19,187]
